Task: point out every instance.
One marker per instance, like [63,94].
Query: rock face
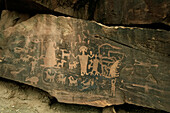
[84,62]
[11,18]
[103,11]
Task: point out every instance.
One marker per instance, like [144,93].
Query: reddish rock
[85,62]
[104,11]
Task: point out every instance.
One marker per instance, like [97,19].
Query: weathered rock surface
[85,62]
[20,98]
[103,11]
[11,18]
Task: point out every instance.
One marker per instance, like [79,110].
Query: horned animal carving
[33,80]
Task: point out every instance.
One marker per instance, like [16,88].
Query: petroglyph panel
[84,62]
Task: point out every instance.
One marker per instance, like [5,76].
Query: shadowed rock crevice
[141,13]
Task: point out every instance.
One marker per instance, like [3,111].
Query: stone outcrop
[85,62]
[104,11]
[11,18]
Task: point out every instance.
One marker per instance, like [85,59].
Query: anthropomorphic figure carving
[83,59]
[33,65]
[33,80]
[95,65]
[50,56]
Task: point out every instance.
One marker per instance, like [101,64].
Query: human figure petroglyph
[113,87]
[83,59]
[33,65]
[33,80]
[65,54]
[49,76]
[50,56]
[27,42]
[72,81]
[95,65]
[61,63]
[73,65]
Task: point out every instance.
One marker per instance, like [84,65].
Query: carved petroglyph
[36,41]
[94,65]
[73,65]
[152,79]
[33,80]
[25,58]
[15,73]
[50,56]
[65,54]
[79,39]
[33,65]
[72,81]
[148,64]
[113,69]
[27,42]
[61,64]
[83,59]
[49,75]
[20,50]
[110,58]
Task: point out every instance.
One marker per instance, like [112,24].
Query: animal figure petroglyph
[61,78]
[88,83]
[73,65]
[14,73]
[49,77]
[25,59]
[61,63]
[95,65]
[65,54]
[19,50]
[27,42]
[33,80]
[72,81]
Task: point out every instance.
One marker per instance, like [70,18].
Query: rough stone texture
[103,11]
[19,98]
[85,62]
[11,18]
